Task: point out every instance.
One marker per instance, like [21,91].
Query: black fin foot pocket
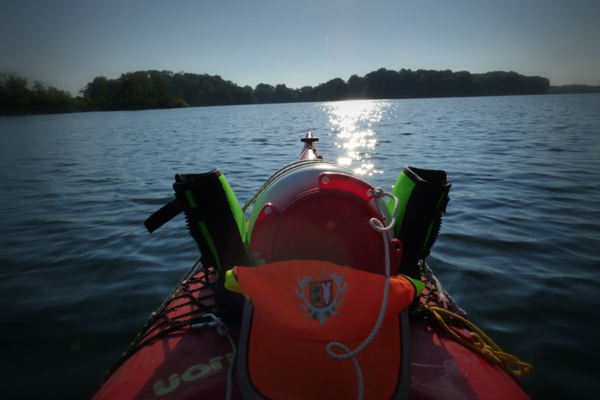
[422,198]
[214,217]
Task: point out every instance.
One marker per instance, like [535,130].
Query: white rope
[379,227]
[231,366]
[223,331]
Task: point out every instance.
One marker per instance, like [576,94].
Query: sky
[68,43]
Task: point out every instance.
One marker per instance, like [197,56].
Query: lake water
[519,248]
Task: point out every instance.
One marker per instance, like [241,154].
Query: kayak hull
[186,352]
[181,366]
[194,362]
[443,369]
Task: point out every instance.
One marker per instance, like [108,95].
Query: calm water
[519,248]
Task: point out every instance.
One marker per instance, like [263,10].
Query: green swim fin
[422,198]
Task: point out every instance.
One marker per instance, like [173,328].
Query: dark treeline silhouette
[408,84]
[17,98]
[164,89]
[573,89]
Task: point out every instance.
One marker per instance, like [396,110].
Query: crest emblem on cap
[323,295]
[320,293]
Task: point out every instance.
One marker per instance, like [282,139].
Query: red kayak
[199,343]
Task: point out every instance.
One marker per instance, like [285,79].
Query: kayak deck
[180,355]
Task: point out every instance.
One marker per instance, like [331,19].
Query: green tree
[14,95]
[16,98]
[305,94]
[264,93]
[282,94]
[409,84]
[356,87]
[100,94]
[572,89]
[382,84]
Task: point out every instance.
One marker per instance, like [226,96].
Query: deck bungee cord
[283,171]
[430,348]
[161,325]
[436,292]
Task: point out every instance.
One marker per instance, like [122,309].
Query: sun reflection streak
[352,121]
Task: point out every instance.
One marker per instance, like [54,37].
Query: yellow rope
[482,344]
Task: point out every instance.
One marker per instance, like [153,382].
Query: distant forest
[573,89]
[143,90]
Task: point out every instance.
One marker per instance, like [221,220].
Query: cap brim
[282,366]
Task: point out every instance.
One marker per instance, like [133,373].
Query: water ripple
[518,248]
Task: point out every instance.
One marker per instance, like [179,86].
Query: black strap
[163,215]
[403,385]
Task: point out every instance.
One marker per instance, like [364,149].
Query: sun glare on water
[351,122]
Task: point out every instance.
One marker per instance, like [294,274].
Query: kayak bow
[207,342]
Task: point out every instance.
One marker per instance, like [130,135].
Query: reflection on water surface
[354,124]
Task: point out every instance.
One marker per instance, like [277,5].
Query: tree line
[164,89]
[573,89]
[16,97]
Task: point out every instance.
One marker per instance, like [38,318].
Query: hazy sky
[67,43]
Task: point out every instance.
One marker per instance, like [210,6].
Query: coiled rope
[481,344]
[379,227]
